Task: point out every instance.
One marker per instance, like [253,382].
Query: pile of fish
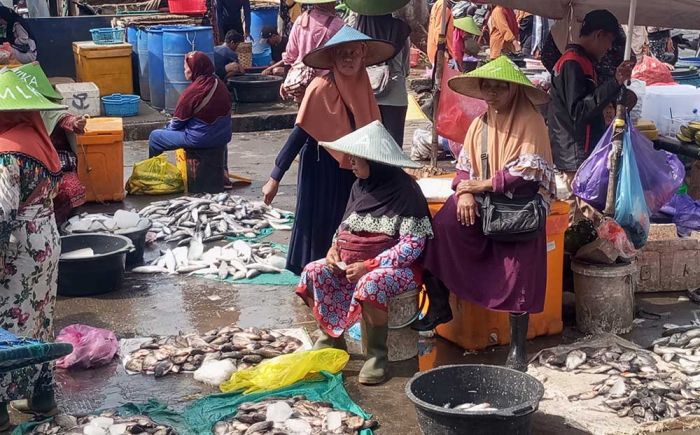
[123,222]
[238,259]
[471,407]
[213,217]
[293,416]
[680,345]
[108,423]
[186,353]
[635,387]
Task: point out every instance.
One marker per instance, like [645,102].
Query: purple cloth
[496,275]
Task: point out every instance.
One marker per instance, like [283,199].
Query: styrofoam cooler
[81,98]
[662,103]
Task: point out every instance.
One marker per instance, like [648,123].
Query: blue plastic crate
[122,105]
[107,35]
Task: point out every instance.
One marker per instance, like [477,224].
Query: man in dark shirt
[225,56]
[228,16]
[278,44]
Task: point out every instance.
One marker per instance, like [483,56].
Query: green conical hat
[16,95]
[373,142]
[499,69]
[375,7]
[468,25]
[35,77]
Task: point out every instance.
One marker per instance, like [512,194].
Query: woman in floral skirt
[374,252]
[30,171]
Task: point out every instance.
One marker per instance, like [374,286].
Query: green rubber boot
[374,371]
[325,341]
[4,417]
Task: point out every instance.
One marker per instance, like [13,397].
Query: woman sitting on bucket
[374,252]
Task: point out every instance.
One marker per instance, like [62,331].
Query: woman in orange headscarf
[504,32]
[435,27]
[333,106]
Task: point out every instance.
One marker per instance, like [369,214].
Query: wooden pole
[438,64]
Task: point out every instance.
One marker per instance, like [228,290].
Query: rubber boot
[517,355]
[4,417]
[41,403]
[374,371]
[439,310]
[325,341]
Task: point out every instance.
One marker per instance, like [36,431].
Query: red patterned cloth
[71,194]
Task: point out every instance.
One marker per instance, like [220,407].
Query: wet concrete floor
[163,305]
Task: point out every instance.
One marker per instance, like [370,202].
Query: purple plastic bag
[661,173]
[685,212]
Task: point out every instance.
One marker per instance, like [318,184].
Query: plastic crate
[187,7]
[121,105]
[107,36]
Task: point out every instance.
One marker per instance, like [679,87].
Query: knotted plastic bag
[92,347]
[155,176]
[286,370]
[631,210]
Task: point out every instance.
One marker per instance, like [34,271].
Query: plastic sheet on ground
[286,278]
[592,416]
[262,234]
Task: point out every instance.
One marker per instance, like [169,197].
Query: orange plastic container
[108,66]
[101,159]
[475,328]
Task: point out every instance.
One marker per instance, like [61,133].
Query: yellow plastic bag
[286,370]
[155,176]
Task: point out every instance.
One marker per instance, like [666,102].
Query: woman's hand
[467,209]
[79,124]
[333,258]
[473,186]
[269,190]
[355,271]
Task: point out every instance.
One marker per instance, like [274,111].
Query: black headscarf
[384,27]
[12,17]
[392,195]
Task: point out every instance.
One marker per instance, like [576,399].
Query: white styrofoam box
[436,189]
[662,103]
[81,98]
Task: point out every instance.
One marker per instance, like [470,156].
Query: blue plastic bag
[661,173]
[631,210]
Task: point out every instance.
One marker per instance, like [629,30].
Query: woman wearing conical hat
[334,105]
[504,276]
[30,171]
[373,256]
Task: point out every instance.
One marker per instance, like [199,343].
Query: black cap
[600,19]
[268,31]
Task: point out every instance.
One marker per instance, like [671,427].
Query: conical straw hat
[378,51]
[35,77]
[499,69]
[16,95]
[373,142]
[375,7]
[468,25]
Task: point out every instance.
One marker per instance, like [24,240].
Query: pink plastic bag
[615,234]
[92,347]
[653,72]
[455,112]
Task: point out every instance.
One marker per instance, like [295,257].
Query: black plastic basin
[255,88]
[516,396]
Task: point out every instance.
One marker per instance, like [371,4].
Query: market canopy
[675,14]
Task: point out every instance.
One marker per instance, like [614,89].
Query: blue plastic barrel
[261,17]
[264,58]
[142,43]
[132,38]
[176,44]
[155,67]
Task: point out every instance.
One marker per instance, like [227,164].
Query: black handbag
[508,219]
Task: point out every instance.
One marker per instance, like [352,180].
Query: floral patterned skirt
[337,302]
[29,280]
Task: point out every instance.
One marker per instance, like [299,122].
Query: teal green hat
[375,7]
[378,50]
[16,95]
[498,69]
[34,76]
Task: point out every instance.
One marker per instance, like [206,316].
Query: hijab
[329,104]
[24,134]
[12,18]
[390,195]
[384,27]
[207,98]
[518,140]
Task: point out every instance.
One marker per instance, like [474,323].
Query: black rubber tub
[516,396]
[101,273]
[255,88]
[137,237]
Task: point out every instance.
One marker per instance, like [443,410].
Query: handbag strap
[486,171]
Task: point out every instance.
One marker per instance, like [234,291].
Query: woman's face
[360,167]
[497,94]
[350,58]
[188,71]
